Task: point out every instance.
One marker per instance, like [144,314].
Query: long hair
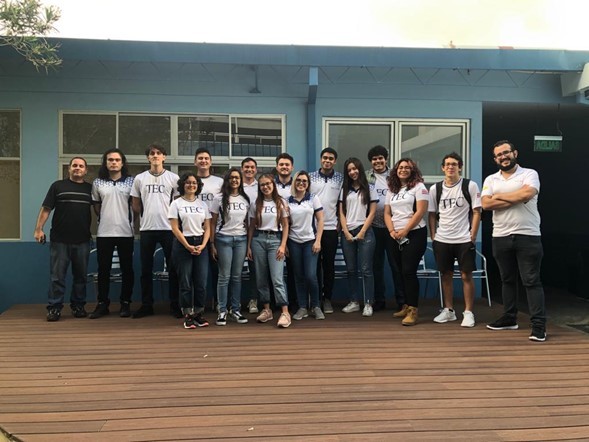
[184,178]
[362,182]
[293,190]
[275,197]
[414,178]
[226,190]
[103,171]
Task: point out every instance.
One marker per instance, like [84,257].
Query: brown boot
[411,318]
[401,313]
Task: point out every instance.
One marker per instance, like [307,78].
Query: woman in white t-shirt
[190,221]
[304,244]
[357,207]
[229,243]
[404,211]
[267,236]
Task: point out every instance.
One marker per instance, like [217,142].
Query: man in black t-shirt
[71,199]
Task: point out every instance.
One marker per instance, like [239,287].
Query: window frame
[397,125]
[20,178]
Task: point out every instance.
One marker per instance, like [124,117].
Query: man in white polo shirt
[111,194]
[249,169]
[326,183]
[512,195]
[153,192]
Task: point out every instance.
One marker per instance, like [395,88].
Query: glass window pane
[256,136]
[208,131]
[10,134]
[10,213]
[136,132]
[427,144]
[217,169]
[88,134]
[355,140]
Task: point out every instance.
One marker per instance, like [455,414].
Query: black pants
[148,242]
[385,244]
[326,261]
[105,247]
[407,258]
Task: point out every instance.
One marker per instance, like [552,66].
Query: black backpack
[465,193]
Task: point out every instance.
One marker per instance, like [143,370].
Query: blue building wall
[93,82]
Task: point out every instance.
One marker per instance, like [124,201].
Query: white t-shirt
[454,224]
[302,214]
[268,216]
[251,190]
[402,204]
[382,188]
[237,211]
[283,189]
[355,208]
[328,189]
[192,215]
[211,188]
[156,193]
[519,219]
[116,215]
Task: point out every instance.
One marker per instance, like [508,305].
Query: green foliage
[23,23]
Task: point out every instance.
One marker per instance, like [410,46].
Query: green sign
[547,143]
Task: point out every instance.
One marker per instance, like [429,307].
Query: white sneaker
[252,306]
[468,320]
[367,310]
[327,307]
[351,307]
[300,314]
[446,315]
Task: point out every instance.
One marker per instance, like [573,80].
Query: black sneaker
[144,310]
[200,320]
[53,314]
[538,333]
[125,310]
[221,319]
[175,310]
[79,311]
[238,317]
[503,323]
[100,310]
[189,322]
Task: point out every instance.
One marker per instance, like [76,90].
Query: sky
[545,24]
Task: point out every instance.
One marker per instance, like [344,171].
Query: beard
[511,165]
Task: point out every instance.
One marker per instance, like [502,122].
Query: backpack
[465,193]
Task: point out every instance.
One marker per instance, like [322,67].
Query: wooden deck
[345,378]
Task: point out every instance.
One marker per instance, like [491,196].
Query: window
[425,141]
[10,174]
[84,134]
[136,132]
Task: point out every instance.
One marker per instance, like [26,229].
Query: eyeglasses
[234,178]
[451,165]
[191,183]
[503,154]
[300,181]
[265,184]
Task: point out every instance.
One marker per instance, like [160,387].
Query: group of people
[209,226]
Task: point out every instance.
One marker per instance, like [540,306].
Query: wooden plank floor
[345,378]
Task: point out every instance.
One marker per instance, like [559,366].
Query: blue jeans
[523,253]
[304,264]
[231,251]
[362,251]
[61,255]
[264,247]
[147,244]
[192,273]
